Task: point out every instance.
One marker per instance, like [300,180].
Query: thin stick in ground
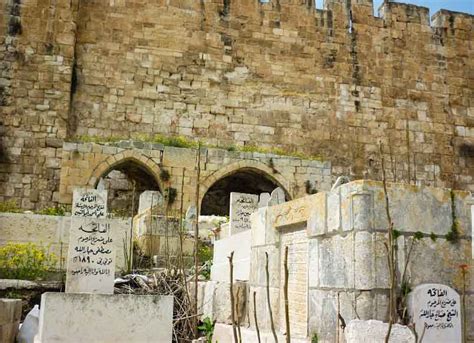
[285,294]
[255,315]
[232,300]
[270,312]
[196,238]
[391,252]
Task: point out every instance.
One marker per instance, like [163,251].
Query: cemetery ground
[305,270]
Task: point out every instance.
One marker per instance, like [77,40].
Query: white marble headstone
[277,197]
[89,203]
[264,200]
[91,256]
[149,199]
[435,309]
[242,205]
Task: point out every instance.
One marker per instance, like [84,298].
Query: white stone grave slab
[242,205]
[264,200]
[435,309]
[91,256]
[277,197]
[97,318]
[89,203]
[149,199]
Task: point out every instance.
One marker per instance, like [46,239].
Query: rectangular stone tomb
[242,205]
[435,309]
[89,203]
[101,318]
[91,256]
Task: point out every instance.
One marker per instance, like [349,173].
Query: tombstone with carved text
[242,205]
[91,256]
[436,312]
[89,203]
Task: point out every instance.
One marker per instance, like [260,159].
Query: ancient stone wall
[331,82]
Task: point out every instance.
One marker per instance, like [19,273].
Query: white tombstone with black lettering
[435,309]
[92,241]
[91,256]
[242,205]
[89,203]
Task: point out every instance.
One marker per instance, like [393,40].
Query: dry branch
[267,274]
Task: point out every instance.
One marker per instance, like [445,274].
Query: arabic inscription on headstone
[242,205]
[89,203]
[91,257]
[435,310]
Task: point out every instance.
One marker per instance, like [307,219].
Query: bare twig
[255,315]
[268,298]
[285,294]
[196,236]
[237,310]
[391,252]
[232,300]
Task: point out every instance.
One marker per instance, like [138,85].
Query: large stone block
[10,315]
[375,331]
[105,318]
[240,245]
[336,259]
[258,262]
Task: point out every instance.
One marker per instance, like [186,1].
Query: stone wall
[53,232]
[330,82]
[82,165]
[344,233]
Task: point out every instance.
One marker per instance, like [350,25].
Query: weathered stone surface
[336,262]
[53,232]
[98,318]
[91,256]
[149,199]
[435,309]
[10,315]
[241,208]
[277,197]
[240,245]
[89,203]
[375,331]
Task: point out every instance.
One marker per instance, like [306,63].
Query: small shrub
[164,175]
[170,194]
[9,206]
[314,338]
[176,141]
[53,211]
[433,237]
[207,328]
[26,261]
[418,235]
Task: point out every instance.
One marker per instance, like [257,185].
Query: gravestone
[91,256]
[190,217]
[264,200]
[242,205]
[277,197]
[436,312]
[149,199]
[89,203]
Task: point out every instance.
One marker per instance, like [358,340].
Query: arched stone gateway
[244,177]
[125,175]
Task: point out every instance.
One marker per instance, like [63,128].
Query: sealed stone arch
[251,177]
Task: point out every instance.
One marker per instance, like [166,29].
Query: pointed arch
[251,175]
[124,157]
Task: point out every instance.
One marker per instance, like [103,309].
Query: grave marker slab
[91,256]
[149,199]
[89,203]
[264,200]
[242,205]
[277,197]
[436,312]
